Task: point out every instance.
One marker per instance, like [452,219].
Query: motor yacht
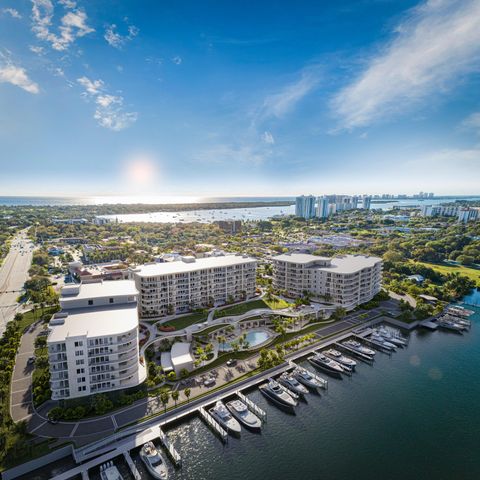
[327,364]
[358,347]
[390,337]
[154,461]
[289,381]
[340,358]
[108,471]
[241,412]
[275,392]
[381,342]
[306,378]
[221,414]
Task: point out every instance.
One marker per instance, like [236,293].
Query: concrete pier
[253,406]
[174,455]
[213,424]
[133,467]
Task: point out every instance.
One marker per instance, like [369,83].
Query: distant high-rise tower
[367,200]
[322,207]
[305,206]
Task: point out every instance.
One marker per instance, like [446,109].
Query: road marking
[20,391]
[23,404]
[25,353]
[22,378]
[38,426]
[74,430]
[114,422]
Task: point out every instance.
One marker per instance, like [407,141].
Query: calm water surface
[414,415]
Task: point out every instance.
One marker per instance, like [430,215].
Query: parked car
[209,382]
[232,362]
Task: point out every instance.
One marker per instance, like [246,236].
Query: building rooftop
[109,288]
[189,264]
[341,264]
[300,258]
[98,322]
[180,353]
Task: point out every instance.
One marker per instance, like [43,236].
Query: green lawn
[211,329]
[253,305]
[187,320]
[444,268]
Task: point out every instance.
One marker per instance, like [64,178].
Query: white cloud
[109,109]
[36,49]
[12,12]
[116,40]
[267,137]
[177,60]
[233,154]
[472,122]
[436,45]
[73,24]
[280,103]
[15,75]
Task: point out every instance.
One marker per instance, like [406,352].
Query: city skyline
[225,100]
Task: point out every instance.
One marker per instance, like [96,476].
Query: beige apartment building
[347,280]
[183,285]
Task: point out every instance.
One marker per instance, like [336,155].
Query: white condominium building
[189,283]
[93,342]
[347,280]
[305,206]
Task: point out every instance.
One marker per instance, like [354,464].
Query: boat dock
[429,324]
[213,424]
[133,467]
[174,455]
[253,407]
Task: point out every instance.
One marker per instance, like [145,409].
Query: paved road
[13,274]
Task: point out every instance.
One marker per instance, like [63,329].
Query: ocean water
[412,415]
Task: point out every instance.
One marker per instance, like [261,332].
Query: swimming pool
[254,338]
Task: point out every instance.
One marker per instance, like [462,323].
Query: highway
[13,273]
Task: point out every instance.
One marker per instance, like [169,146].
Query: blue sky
[239,98]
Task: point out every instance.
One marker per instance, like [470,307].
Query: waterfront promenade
[90,430]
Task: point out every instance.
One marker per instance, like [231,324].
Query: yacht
[220,413]
[154,461]
[108,471]
[381,342]
[450,325]
[358,347]
[275,392]
[390,337]
[330,366]
[340,358]
[241,412]
[289,381]
[305,377]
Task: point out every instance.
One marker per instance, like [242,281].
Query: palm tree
[164,397]
[187,393]
[175,396]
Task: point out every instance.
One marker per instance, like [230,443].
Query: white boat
[358,347]
[275,392]
[289,381]
[241,412]
[108,471]
[327,364]
[379,340]
[154,461]
[340,358]
[390,337]
[220,413]
[305,377]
